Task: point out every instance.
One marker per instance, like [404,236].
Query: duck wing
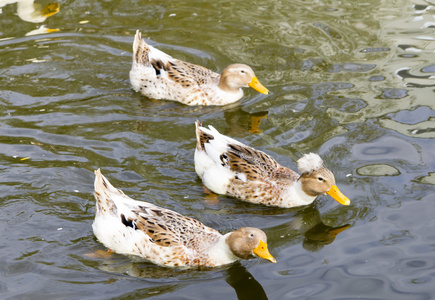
[184,73]
[255,165]
[167,228]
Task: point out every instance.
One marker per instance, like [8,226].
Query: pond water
[352,81]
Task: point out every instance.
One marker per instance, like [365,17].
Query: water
[350,81]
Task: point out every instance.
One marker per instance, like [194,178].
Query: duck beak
[263,252]
[50,9]
[335,193]
[256,85]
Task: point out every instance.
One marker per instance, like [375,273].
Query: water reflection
[134,267]
[244,283]
[320,235]
[239,122]
[42,30]
[172,279]
[30,11]
[309,224]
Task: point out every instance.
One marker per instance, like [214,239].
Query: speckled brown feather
[201,136]
[266,179]
[265,192]
[141,55]
[188,74]
[257,165]
[168,228]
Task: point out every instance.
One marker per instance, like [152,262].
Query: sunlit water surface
[352,81]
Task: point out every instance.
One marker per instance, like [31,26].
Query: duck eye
[251,235]
[320,178]
[242,71]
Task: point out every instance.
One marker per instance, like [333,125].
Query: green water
[351,81]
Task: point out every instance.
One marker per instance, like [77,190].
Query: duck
[157,75]
[228,167]
[165,237]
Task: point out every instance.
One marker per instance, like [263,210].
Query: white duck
[229,167]
[167,238]
[157,75]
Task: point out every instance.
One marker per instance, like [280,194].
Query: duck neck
[226,87]
[221,252]
[295,196]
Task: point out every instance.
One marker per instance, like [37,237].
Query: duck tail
[104,193]
[140,49]
[103,185]
[202,137]
[199,145]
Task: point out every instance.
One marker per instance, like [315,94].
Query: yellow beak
[256,85]
[263,252]
[335,193]
[50,9]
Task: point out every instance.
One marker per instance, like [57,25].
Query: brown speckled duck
[231,168]
[157,75]
[167,238]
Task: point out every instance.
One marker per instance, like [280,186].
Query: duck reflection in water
[239,122]
[309,224]
[30,11]
[244,283]
[236,275]
[242,122]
